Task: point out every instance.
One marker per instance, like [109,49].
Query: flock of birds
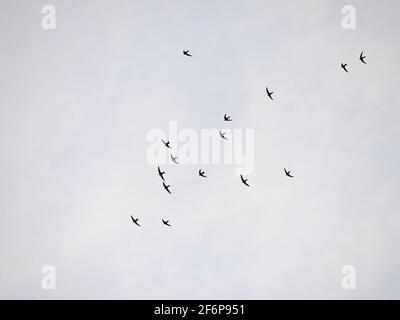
[222,134]
[361,58]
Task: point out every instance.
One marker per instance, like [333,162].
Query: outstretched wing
[166,187]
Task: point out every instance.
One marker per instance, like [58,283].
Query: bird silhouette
[202,174]
[166,222]
[269,94]
[288,173]
[135,221]
[166,144]
[227,118]
[244,181]
[161,174]
[222,134]
[166,187]
[186,53]
[362,57]
[343,66]
[174,159]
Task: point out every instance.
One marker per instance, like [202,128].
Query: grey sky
[76,104]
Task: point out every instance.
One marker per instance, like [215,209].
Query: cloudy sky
[76,105]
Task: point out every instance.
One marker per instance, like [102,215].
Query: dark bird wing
[362,57]
[166,187]
[288,173]
[161,174]
[174,159]
[269,94]
[166,143]
[135,221]
[244,181]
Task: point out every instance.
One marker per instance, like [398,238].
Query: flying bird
[166,222]
[202,174]
[344,65]
[166,187]
[269,94]
[227,118]
[244,181]
[223,135]
[174,159]
[135,221]
[186,53]
[288,173]
[362,57]
[161,174]
[166,144]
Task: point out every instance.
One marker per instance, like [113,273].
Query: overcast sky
[77,102]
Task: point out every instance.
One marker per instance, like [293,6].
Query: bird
[288,173]
[201,174]
[362,57]
[166,187]
[186,53]
[227,118]
[166,222]
[166,144]
[135,221]
[269,94]
[244,181]
[174,159]
[344,65]
[161,174]
[223,135]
